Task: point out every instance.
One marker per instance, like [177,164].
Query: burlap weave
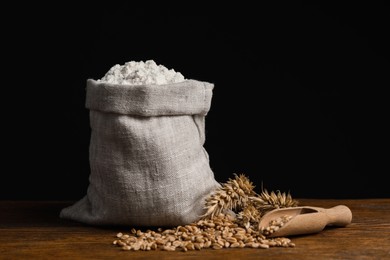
[148,164]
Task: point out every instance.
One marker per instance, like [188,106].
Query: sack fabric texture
[147,160]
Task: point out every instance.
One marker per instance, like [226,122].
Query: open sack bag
[148,164]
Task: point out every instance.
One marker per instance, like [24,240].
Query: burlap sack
[148,164]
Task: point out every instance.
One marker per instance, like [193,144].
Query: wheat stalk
[238,195]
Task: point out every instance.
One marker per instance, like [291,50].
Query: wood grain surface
[33,230]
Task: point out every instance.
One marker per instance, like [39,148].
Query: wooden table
[33,230]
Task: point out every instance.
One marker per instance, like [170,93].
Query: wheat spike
[232,195]
[249,216]
[266,201]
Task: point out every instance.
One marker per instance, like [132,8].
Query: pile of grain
[216,233]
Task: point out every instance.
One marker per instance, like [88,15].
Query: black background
[299,101]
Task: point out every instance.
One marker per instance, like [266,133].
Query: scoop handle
[339,215]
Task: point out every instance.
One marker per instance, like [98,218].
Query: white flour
[141,73]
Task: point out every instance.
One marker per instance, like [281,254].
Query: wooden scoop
[305,220]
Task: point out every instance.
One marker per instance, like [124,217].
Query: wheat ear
[232,195]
